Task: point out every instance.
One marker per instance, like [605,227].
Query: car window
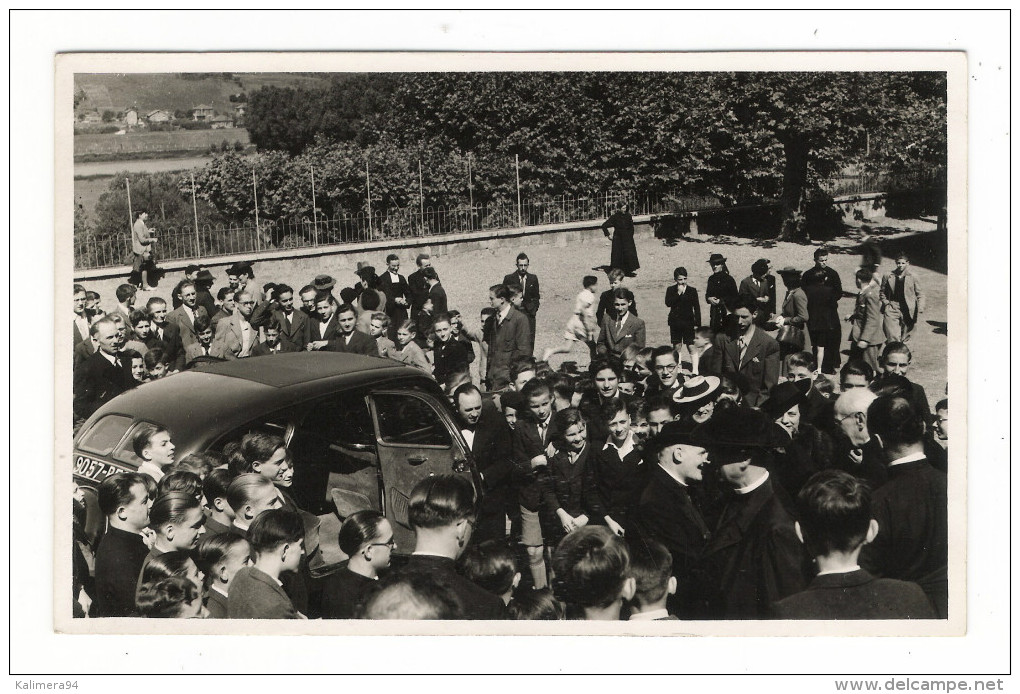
[104,434]
[408,420]
[275,424]
[125,452]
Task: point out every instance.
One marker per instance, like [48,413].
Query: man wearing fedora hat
[754,557]
[665,512]
[751,353]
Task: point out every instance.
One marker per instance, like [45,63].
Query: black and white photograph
[367,345]
[426,344]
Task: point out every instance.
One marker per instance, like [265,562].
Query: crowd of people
[739,472]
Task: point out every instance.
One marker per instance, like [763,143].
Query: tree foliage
[737,136]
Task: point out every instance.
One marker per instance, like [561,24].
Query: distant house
[220,122]
[202,112]
[92,116]
[240,109]
[131,117]
[159,116]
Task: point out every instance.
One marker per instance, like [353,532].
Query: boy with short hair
[651,565]
[835,524]
[592,567]
[379,328]
[615,276]
[277,539]
[490,565]
[451,367]
[205,347]
[275,343]
[701,351]
[219,515]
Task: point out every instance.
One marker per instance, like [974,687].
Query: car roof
[235,392]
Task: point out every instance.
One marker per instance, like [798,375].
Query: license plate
[95,470]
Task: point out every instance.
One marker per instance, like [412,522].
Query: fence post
[194,207]
[131,215]
[255,191]
[315,214]
[421,198]
[471,196]
[517,167]
[368,198]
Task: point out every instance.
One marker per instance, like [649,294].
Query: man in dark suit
[857,452]
[488,436]
[757,288]
[324,326]
[754,557]
[104,375]
[824,289]
[124,499]
[435,292]
[184,315]
[532,444]
[510,337]
[347,338]
[912,508]
[293,323]
[166,331]
[398,294]
[666,513]
[441,513]
[417,285]
[835,524]
[275,342]
[528,283]
[752,354]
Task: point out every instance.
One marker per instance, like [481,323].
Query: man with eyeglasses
[441,511]
[858,453]
[667,378]
[236,335]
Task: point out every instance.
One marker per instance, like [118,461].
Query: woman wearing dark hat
[809,450]
[721,293]
[684,310]
[792,322]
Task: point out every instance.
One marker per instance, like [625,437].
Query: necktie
[619,325]
[742,346]
[542,429]
[116,362]
[205,350]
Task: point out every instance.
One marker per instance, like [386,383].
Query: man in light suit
[236,336]
[750,353]
[510,337]
[184,315]
[81,320]
[902,301]
[530,292]
[866,336]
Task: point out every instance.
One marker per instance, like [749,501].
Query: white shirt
[322,327]
[855,567]
[190,312]
[246,337]
[112,358]
[648,616]
[469,437]
[394,277]
[908,458]
[754,485]
[623,450]
[83,325]
[501,316]
[674,475]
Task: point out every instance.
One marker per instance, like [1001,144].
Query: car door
[415,437]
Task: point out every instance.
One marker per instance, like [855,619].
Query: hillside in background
[172,92]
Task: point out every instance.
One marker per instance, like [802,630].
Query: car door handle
[460,465]
[417,459]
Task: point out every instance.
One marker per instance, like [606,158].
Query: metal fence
[208,241]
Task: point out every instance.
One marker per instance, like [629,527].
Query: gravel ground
[467,277]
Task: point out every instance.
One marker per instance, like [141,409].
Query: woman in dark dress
[624,254]
[367,538]
[721,293]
